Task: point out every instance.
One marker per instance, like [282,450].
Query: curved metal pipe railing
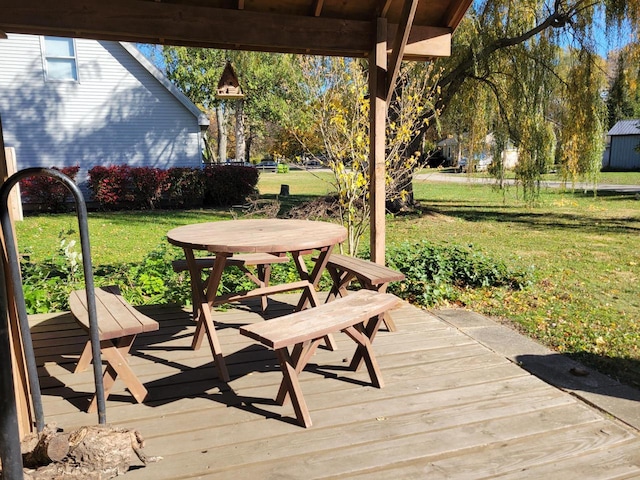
[16,280]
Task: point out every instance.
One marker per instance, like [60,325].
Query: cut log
[51,446]
[93,452]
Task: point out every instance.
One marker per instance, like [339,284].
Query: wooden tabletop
[257,235]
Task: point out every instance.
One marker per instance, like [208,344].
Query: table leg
[309,295]
[205,301]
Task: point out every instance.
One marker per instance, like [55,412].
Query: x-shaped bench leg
[292,364]
[369,329]
[115,352]
[290,387]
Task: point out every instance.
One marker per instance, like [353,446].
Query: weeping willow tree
[531,71]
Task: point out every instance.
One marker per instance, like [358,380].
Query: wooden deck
[451,407]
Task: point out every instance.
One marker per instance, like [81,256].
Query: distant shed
[624,139]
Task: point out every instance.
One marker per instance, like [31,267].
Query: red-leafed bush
[148,184]
[185,186]
[120,186]
[49,193]
[111,186]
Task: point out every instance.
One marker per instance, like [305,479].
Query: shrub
[49,193]
[111,185]
[227,185]
[438,273]
[147,184]
[185,186]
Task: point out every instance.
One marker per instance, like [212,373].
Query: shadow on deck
[456,404]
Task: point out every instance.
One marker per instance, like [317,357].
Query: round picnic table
[273,236]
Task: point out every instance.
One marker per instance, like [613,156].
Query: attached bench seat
[305,330]
[118,324]
[371,276]
[262,262]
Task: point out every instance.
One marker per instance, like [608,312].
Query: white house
[66,102]
[621,153]
[452,151]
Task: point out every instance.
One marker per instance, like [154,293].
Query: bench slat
[372,272]
[116,318]
[319,321]
[237,260]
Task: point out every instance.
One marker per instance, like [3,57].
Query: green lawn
[584,253]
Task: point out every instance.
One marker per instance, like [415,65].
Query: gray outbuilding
[624,141]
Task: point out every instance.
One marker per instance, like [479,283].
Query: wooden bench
[303,331]
[371,276]
[262,262]
[118,324]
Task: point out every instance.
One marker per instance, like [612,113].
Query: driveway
[463,178]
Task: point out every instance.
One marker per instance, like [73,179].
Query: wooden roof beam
[174,24]
[317,7]
[399,44]
[383,10]
[457,11]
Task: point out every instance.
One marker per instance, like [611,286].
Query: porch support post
[377,114]
[10,431]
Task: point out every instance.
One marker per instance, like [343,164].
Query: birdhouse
[228,86]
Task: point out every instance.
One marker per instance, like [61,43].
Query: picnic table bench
[118,324]
[345,269]
[262,262]
[304,330]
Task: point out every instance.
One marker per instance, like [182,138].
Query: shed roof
[625,127]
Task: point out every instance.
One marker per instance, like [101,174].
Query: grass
[612,178]
[584,253]
[584,300]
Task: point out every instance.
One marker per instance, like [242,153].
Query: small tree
[338,113]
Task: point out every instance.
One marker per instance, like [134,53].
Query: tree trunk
[241,145]
[222,135]
[249,143]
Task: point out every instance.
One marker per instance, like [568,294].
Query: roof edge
[203,120]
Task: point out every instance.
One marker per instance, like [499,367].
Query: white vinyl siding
[118,113]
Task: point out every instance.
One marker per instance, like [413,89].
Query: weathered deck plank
[451,408]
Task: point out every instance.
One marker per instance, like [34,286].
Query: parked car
[480,163]
[267,165]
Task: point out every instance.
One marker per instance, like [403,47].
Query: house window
[60,59]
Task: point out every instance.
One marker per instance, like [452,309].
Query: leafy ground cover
[579,254]
[583,252]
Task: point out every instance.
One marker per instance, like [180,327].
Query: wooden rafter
[399,44]
[384,8]
[317,7]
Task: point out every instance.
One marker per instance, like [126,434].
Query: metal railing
[11,457]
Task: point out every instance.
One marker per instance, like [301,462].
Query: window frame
[46,58]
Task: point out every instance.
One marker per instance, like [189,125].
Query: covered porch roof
[319,27]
